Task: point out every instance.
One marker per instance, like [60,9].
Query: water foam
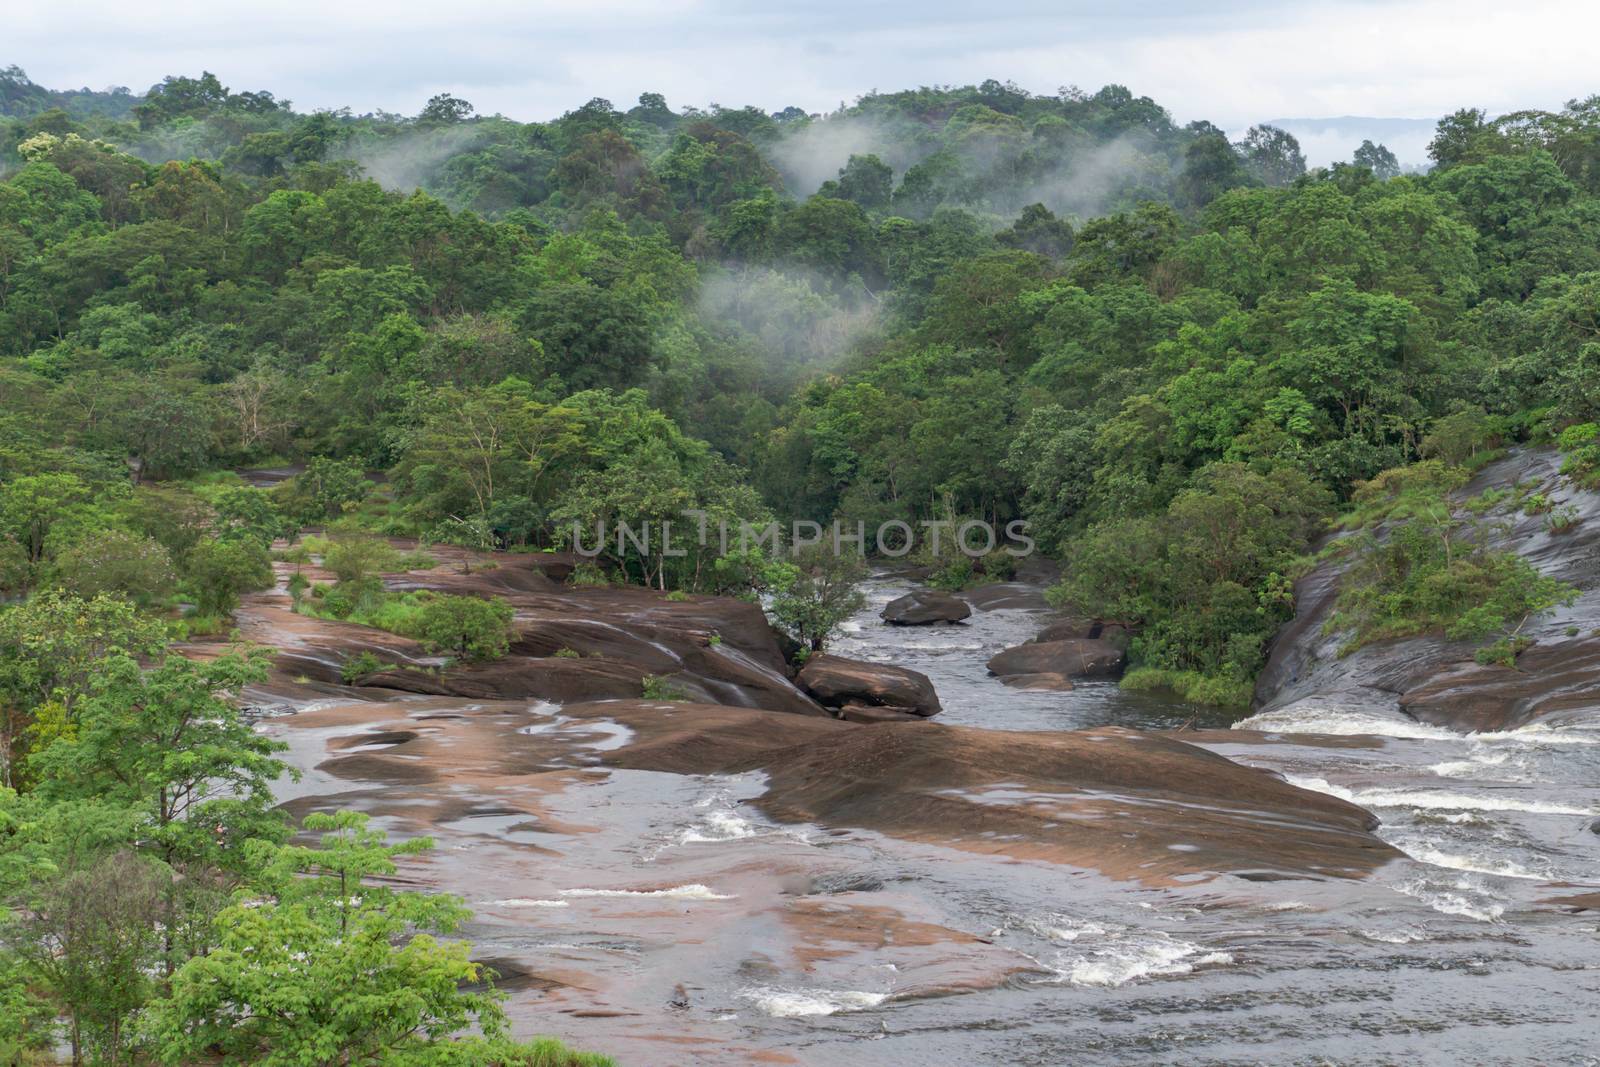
[524,902]
[1462,898]
[1434,800]
[782,1003]
[694,891]
[1108,954]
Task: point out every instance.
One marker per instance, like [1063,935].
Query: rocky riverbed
[1072,874]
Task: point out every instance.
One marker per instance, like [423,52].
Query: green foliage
[219,571]
[357,558]
[324,490]
[1191,686]
[321,961]
[1209,581]
[654,687]
[469,628]
[819,590]
[115,562]
[1426,577]
[359,666]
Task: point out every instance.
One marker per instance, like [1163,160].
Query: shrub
[658,688]
[220,570]
[467,627]
[359,666]
[114,561]
[356,557]
[1426,578]
[1581,443]
[586,575]
[1503,652]
[1563,519]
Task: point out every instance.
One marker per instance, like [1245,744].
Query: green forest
[1180,359]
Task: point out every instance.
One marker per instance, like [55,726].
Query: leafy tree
[116,562]
[444,110]
[1272,155]
[324,489]
[820,591]
[332,966]
[50,650]
[33,503]
[91,937]
[218,571]
[868,181]
[469,628]
[1378,159]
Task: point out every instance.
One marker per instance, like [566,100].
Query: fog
[407,161]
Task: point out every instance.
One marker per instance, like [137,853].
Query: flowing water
[662,918]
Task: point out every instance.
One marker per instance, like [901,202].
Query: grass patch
[1191,686]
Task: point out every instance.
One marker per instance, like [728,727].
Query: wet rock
[999,595]
[844,882]
[837,682]
[569,644]
[867,714]
[1073,657]
[1435,680]
[1550,682]
[1111,799]
[925,607]
[1075,629]
[1048,680]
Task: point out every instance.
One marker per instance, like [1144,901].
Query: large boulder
[838,683]
[925,607]
[1074,658]
[1114,633]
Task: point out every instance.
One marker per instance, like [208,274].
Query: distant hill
[21,98]
[1333,140]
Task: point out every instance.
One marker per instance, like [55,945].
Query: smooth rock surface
[1074,657]
[837,682]
[925,607]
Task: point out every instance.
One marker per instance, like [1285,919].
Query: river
[662,918]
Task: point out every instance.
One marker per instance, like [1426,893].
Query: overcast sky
[1234,62]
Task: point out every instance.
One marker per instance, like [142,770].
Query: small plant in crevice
[1563,519]
[656,687]
[359,666]
[1504,652]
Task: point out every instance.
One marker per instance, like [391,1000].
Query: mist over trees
[1172,354]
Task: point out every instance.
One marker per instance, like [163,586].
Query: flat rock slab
[1130,804]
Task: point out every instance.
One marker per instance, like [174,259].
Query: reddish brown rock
[837,682]
[1048,680]
[1074,657]
[1110,799]
[925,607]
